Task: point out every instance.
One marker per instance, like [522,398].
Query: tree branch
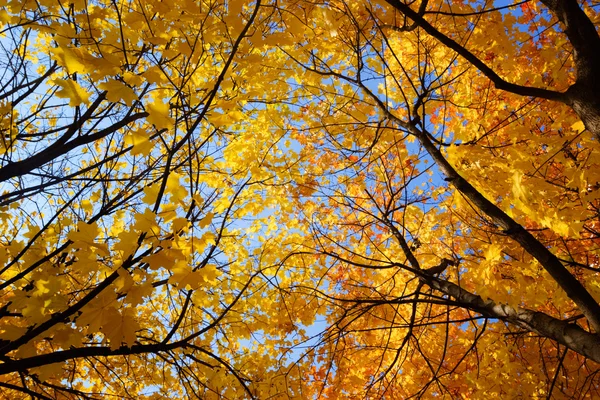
[476,62]
[567,334]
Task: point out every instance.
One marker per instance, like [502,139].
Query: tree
[132,179]
[491,277]
[294,199]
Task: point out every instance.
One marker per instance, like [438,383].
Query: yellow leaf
[136,294]
[97,311]
[124,282]
[132,79]
[209,274]
[493,253]
[127,242]
[85,237]
[518,190]
[177,191]
[87,206]
[48,371]
[68,59]
[179,224]
[11,332]
[206,220]
[184,277]
[168,212]
[157,41]
[560,227]
[72,91]
[160,260]
[34,310]
[66,336]
[151,194]
[159,116]
[120,328]
[578,126]
[117,90]
[46,286]
[140,142]
[146,222]
[153,75]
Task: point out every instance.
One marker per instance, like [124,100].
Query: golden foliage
[298,200]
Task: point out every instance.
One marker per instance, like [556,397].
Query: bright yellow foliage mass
[295,199]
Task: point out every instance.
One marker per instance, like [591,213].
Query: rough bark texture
[584,95]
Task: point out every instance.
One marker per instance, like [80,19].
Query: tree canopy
[294,199]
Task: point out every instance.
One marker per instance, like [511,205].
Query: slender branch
[476,62]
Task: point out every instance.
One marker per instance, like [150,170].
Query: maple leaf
[48,371]
[160,259]
[128,242]
[578,126]
[209,274]
[67,336]
[68,58]
[120,328]
[206,220]
[346,148]
[179,224]
[117,91]
[146,222]
[98,311]
[151,194]
[71,90]
[137,293]
[85,236]
[177,191]
[11,332]
[185,277]
[159,116]
[140,142]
